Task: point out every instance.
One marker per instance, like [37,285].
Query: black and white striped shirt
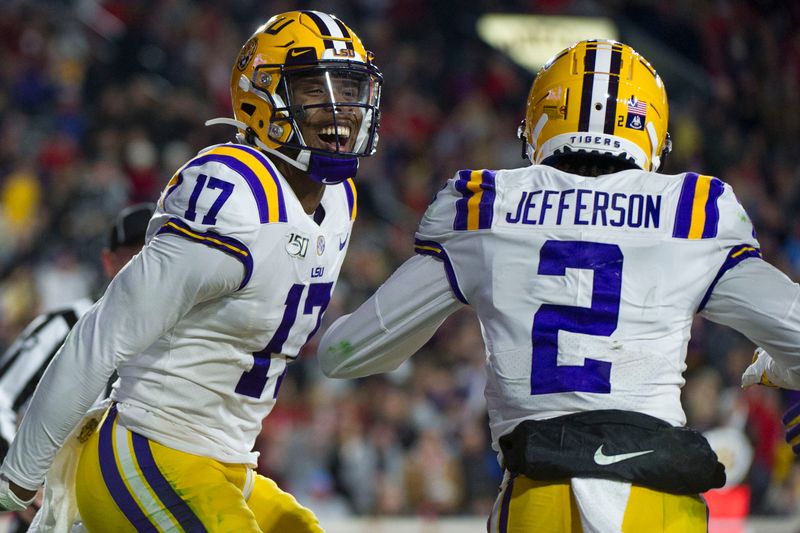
[22,365]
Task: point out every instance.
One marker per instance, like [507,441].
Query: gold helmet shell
[597,97]
[295,44]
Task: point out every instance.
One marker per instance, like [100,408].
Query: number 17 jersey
[209,379]
[585,287]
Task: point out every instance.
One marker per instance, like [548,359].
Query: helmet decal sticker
[246,54]
[602,64]
[276,27]
[637,113]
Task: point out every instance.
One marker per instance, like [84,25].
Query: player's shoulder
[222,198]
[467,202]
[226,185]
[706,207]
[464,203]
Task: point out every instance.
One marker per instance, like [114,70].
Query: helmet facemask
[304,89]
[330,109]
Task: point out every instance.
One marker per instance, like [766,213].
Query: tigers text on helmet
[597,97]
[304,89]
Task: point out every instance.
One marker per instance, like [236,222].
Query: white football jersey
[585,287]
[206,384]
[200,325]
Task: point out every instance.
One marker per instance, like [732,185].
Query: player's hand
[791,419]
[767,371]
[13,497]
[756,373]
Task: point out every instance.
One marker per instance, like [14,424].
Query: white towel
[601,503]
[59,511]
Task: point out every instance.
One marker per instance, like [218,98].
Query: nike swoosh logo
[342,243]
[605,460]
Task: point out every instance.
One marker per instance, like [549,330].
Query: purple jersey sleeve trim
[436,250]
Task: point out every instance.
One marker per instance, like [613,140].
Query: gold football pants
[524,505]
[126,482]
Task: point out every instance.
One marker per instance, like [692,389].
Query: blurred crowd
[101,101]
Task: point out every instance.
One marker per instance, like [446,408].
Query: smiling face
[329,107]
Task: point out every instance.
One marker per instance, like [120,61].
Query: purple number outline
[210,218]
[226,189]
[254,381]
[191,211]
[547,376]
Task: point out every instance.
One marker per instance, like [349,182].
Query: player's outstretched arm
[759,301]
[146,298]
[392,324]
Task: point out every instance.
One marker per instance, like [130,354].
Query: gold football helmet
[597,97]
[304,89]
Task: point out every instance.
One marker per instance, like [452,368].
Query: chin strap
[324,169]
[332,170]
[301,163]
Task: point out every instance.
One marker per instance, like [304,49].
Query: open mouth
[331,135]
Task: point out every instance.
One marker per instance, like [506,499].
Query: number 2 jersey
[585,288]
[232,282]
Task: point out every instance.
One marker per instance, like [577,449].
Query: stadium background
[100,102]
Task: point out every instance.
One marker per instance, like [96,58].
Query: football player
[242,254]
[585,271]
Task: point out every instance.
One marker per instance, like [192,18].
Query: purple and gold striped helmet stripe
[601,65]
[227,245]
[331,29]
[697,215]
[436,250]
[476,209]
[735,256]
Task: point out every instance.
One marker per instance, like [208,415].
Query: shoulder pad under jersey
[226,188]
[708,209]
[220,198]
[465,203]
